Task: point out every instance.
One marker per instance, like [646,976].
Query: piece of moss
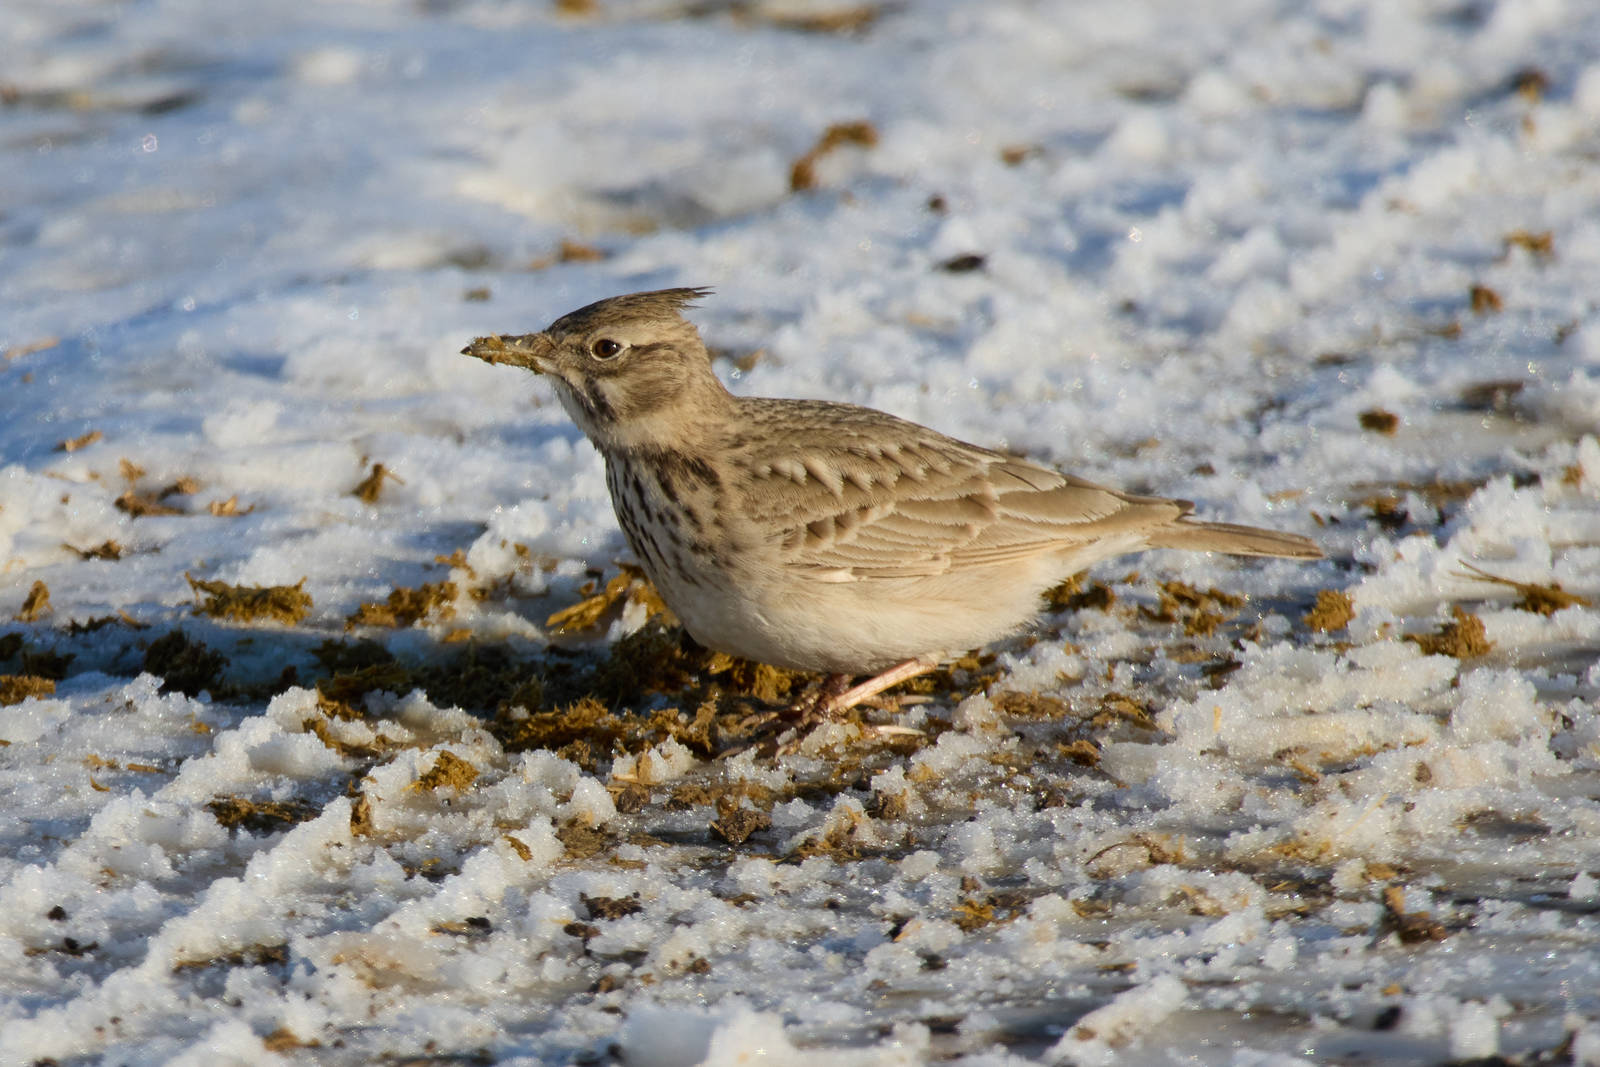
[1333,611]
[448,770]
[1464,637]
[185,665]
[35,604]
[15,688]
[406,607]
[286,604]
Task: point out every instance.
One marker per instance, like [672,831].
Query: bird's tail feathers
[1233,539]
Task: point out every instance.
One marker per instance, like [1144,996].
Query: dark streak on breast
[669,463]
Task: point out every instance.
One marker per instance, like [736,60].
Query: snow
[242,247]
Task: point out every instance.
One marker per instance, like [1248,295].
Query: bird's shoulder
[842,450]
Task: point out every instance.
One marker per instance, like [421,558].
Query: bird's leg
[815,703]
[833,704]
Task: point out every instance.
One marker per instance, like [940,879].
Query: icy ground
[1329,267]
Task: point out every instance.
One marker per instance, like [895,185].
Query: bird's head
[630,370]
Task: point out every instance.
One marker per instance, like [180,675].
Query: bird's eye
[605,348]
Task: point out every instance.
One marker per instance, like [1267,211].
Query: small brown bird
[828,537]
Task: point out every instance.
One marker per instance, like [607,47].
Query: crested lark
[827,537]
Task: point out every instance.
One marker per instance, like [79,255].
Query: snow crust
[1328,267]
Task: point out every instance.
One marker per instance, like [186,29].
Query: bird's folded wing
[865,509]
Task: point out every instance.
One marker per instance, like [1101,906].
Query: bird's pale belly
[858,627]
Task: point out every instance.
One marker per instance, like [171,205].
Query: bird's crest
[656,304]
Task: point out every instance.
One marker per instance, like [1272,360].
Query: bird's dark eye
[605,348]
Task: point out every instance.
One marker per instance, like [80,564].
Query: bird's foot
[830,698]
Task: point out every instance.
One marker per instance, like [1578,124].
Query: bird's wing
[861,495]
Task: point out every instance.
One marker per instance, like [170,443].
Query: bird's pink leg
[911,668]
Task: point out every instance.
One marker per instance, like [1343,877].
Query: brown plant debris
[72,444]
[1015,155]
[339,657]
[352,686]
[1378,871]
[973,914]
[406,607]
[1497,395]
[1115,706]
[582,842]
[185,665]
[229,508]
[35,604]
[848,19]
[584,732]
[1333,611]
[1158,849]
[840,842]
[104,550]
[1544,599]
[1462,638]
[338,709]
[1216,672]
[1188,596]
[1388,512]
[736,824]
[630,799]
[1378,420]
[15,688]
[1072,595]
[569,251]
[1540,245]
[287,604]
[803,174]
[47,664]
[449,770]
[1083,752]
[361,824]
[1201,613]
[473,926]
[743,359]
[371,487]
[605,908]
[28,348]
[143,505]
[320,729]
[260,816]
[283,1040]
[252,956]
[1506,825]
[690,795]
[1530,83]
[761,680]
[965,263]
[1484,300]
[1412,927]
[1030,705]
[629,586]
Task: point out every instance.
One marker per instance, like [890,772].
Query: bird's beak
[534,351]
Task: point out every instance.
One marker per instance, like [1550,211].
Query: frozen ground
[1327,267]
